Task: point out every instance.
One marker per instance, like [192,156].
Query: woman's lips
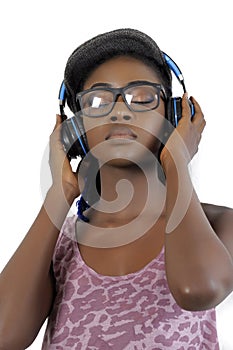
[121,133]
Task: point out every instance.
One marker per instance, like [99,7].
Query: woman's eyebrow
[129,83]
[139,82]
[101,85]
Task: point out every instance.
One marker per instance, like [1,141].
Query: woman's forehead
[119,71]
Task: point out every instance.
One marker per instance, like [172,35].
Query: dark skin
[195,253]
[198,249]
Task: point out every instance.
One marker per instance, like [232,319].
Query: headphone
[73,134]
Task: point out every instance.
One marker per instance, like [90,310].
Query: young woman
[145,263]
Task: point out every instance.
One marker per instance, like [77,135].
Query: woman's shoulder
[220,217]
[66,237]
[213,211]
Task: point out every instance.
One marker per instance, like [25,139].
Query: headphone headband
[175,69]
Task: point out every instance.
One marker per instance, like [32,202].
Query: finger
[202,125]
[198,119]
[198,116]
[194,101]
[55,136]
[186,111]
[58,121]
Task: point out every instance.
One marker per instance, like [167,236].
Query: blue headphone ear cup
[173,106]
[73,138]
[176,109]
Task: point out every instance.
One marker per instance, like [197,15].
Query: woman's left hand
[183,143]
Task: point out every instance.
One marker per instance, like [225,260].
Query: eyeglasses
[138,96]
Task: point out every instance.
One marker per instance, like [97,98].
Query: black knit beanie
[97,50]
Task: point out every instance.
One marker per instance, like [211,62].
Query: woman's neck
[127,190]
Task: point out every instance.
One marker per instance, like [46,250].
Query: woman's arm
[198,264]
[26,283]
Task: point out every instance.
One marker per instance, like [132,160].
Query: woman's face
[124,136]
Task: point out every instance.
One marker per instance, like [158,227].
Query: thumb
[186,112]
[58,121]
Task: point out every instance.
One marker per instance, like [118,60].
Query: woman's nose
[117,117]
[120,111]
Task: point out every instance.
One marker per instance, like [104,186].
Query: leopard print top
[132,312]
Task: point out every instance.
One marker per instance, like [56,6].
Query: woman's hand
[183,143]
[64,179]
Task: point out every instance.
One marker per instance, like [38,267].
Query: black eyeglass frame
[121,92]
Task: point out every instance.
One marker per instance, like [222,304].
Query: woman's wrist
[168,163]
[64,194]
[173,163]
[57,204]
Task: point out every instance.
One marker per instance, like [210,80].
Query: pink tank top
[133,312]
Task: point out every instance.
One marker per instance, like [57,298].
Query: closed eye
[143,102]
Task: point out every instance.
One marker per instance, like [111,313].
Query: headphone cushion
[74,138]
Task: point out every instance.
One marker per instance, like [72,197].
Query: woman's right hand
[64,179]
[183,142]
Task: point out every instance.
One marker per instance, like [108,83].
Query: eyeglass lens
[138,98]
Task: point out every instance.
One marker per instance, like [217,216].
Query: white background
[36,39]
